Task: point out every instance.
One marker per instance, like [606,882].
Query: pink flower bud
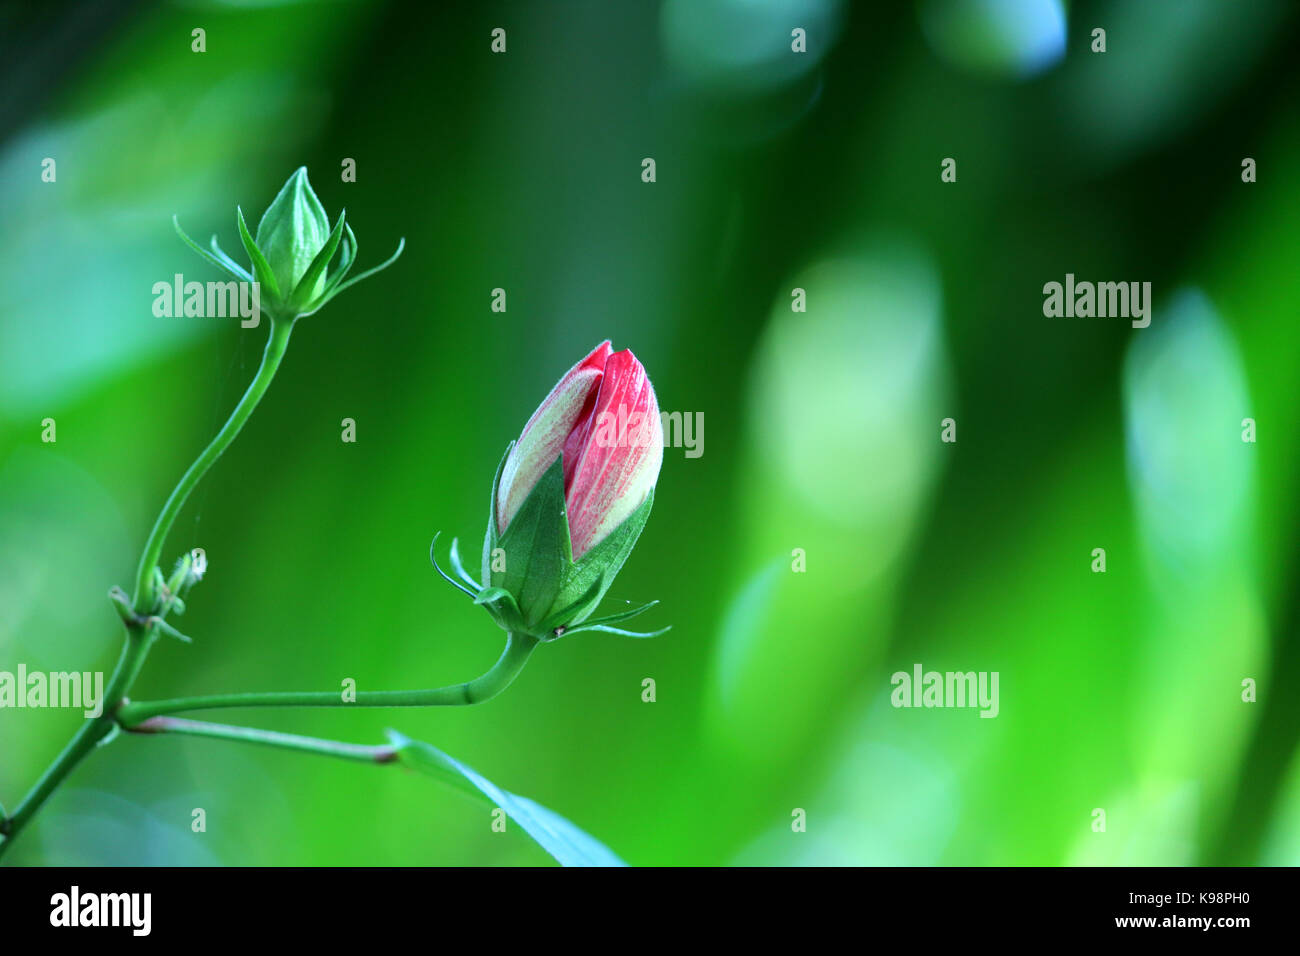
[602,417]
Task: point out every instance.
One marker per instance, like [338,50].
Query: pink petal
[614,472]
[543,438]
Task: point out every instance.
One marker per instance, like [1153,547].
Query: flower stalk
[132,715]
[293,251]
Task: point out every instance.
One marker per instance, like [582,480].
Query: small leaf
[578,609]
[489,595]
[223,262]
[401,244]
[556,835]
[491,535]
[346,258]
[170,631]
[500,603]
[614,630]
[445,576]
[459,568]
[306,290]
[601,565]
[230,263]
[536,544]
[261,268]
[620,616]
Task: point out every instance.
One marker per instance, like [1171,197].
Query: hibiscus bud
[293,230]
[602,421]
[571,497]
[292,253]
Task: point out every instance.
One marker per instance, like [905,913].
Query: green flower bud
[293,231]
[292,253]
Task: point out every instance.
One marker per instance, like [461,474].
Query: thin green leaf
[500,603]
[445,576]
[230,263]
[491,535]
[602,563]
[302,294]
[170,631]
[536,543]
[491,595]
[347,256]
[368,273]
[224,266]
[620,616]
[571,612]
[459,568]
[615,630]
[261,268]
[556,835]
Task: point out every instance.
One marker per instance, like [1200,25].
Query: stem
[88,735]
[385,753]
[518,648]
[140,633]
[142,598]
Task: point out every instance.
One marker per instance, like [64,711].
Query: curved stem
[518,647]
[384,753]
[140,631]
[142,598]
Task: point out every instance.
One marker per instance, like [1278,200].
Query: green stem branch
[142,598]
[269,738]
[140,632]
[517,650]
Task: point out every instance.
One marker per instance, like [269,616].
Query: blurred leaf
[556,835]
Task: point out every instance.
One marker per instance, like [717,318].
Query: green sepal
[459,568]
[500,603]
[490,538]
[490,595]
[559,620]
[445,576]
[606,629]
[619,617]
[554,592]
[542,591]
[588,580]
[537,550]
[347,256]
[306,290]
[230,263]
[344,286]
[261,268]
[216,257]
[170,631]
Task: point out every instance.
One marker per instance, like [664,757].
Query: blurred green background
[775,170]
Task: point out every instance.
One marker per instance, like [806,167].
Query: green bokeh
[522,171]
